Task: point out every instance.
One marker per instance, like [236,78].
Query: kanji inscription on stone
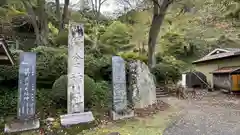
[119,84]
[27,85]
[76,68]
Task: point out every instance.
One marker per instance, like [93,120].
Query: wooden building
[221,67]
[227,78]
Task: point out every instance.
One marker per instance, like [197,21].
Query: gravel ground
[208,114]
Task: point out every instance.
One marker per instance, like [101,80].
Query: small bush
[101,96]
[165,72]
[89,88]
[95,94]
[160,72]
[51,64]
[59,90]
[133,56]
[61,39]
[8,102]
[97,68]
[10,72]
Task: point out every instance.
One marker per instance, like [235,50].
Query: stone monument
[120,101]
[75,90]
[142,84]
[26,119]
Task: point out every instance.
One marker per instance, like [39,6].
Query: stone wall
[142,84]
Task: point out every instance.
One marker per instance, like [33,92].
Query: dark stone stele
[27,91]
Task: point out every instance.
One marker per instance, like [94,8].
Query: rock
[50,119]
[142,84]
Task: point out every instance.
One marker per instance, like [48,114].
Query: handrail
[201,79]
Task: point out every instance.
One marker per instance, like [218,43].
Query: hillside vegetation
[190,29]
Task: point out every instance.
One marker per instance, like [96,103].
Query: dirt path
[211,114]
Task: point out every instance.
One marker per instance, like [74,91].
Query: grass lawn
[152,125]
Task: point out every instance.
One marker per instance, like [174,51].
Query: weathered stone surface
[76,68]
[119,84]
[76,118]
[120,101]
[19,126]
[141,84]
[50,119]
[27,91]
[117,116]
[27,86]
[75,90]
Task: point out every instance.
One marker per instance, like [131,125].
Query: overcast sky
[108,6]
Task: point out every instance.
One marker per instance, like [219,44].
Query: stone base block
[19,126]
[116,116]
[76,118]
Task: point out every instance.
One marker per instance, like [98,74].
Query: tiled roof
[226,70]
[233,52]
[232,49]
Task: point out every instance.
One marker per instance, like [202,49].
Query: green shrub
[101,96]
[165,72]
[61,39]
[45,105]
[59,89]
[89,88]
[178,64]
[8,102]
[169,69]
[133,56]
[10,72]
[51,64]
[95,94]
[97,68]
[160,72]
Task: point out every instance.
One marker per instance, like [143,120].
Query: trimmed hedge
[95,93]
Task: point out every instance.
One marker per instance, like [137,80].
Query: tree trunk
[159,12]
[64,19]
[58,13]
[43,22]
[97,15]
[33,20]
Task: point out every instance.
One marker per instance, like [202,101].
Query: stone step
[160,90]
[161,93]
[159,96]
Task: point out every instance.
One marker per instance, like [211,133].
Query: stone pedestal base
[76,118]
[116,116]
[19,126]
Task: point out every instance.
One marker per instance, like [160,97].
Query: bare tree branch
[101,2]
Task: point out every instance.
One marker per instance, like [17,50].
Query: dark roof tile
[233,52]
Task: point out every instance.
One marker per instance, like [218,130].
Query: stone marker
[142,84]
[120,102]
[27,91]
[75,89]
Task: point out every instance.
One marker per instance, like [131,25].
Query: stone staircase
[161,92]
